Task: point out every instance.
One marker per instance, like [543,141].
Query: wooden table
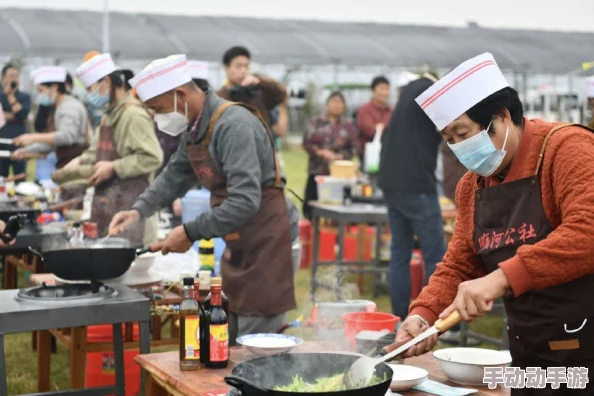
[165,377]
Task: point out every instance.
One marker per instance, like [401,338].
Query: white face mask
[173,123]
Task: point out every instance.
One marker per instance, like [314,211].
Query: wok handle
[35,252]
[238,382]
[142,251]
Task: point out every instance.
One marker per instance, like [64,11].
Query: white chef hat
[198,69]
[462,88]
[405,78]
[160,76]
[49,74]
[590,87]
[95,68]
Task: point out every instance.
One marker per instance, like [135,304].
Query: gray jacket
[70,126]
[242,151]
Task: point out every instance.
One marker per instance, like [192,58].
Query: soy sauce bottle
[223,296]
[217,328]
[189,325]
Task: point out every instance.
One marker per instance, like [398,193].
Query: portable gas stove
[76,305]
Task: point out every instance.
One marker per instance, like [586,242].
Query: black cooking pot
[259,377]
[95,264]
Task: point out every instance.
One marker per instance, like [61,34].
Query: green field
[21,361]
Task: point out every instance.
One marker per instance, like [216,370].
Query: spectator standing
[374,113]
[256,90]
[410,147]
[16,105]
[328,138]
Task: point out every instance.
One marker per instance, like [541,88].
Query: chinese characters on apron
[553,327]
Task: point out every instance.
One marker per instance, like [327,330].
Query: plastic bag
[173,265]
[373,151]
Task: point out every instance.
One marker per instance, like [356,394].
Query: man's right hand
[410,328]
[123,220]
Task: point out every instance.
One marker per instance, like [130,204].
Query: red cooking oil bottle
[189,325]
[218,328]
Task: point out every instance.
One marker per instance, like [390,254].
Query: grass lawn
[21,361]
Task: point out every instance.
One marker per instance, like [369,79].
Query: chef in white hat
[68,129]
[590,96]
[524,225]
[227,149]
[125,153]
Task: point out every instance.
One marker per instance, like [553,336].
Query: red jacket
[368,115]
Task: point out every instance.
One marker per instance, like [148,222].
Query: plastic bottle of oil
[218,328]
[189,325]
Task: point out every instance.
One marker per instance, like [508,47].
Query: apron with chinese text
[116,194]
[553,327]
[257,264]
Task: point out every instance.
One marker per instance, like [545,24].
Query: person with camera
[16,105]
[261,92]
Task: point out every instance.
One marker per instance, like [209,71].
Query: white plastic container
[331,189]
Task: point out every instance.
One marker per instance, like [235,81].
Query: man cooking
[524,225]
[227,149]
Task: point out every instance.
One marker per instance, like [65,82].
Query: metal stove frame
[17,316]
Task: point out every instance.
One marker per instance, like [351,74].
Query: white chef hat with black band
[461,89]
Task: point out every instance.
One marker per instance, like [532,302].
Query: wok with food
[302,374]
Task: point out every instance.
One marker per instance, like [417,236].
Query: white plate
[268,344]
[465,366]
[406,377]
[28,188]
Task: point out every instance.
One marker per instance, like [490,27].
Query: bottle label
[219,343]
[192,337]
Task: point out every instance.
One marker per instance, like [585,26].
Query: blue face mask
[478,154]
[98,100]
[45,100]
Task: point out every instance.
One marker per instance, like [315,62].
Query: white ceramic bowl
[268,344]
[406,377]
[465,366]
[144,262]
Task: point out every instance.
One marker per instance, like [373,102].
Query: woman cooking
[125,153]
[327,139]
[67,129]
[524,224]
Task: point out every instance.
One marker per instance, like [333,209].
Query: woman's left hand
[475,297]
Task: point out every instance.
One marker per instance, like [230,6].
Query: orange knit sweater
[567,191]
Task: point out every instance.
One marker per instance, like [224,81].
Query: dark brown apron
[553,327]
[257,267]
[115,194]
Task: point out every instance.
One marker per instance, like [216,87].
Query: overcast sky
[533,14]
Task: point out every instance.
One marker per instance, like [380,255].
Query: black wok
[258,377]
[94,264]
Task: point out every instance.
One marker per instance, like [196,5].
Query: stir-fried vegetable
[325,384]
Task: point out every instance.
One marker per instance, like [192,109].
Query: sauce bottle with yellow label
[218,328]
[189,325]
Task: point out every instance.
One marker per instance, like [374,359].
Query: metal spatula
[361,372]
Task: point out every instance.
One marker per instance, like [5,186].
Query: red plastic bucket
[101,365]
[356,322]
